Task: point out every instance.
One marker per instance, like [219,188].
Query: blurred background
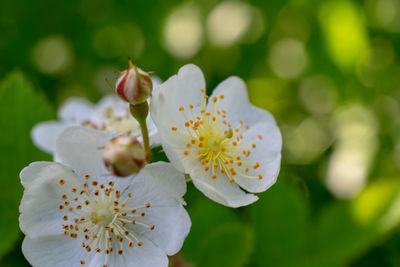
[329,71]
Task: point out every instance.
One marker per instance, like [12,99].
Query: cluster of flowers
[101,203]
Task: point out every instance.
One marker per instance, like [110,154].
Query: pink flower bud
[134,85]
[124,155]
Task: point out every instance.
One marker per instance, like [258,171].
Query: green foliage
[228,245]
[344,30]
[352,57]
[346,229]
[206,216]
[287,236]
[20,109]
[280,221]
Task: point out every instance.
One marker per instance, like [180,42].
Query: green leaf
[20,109]
[339,20]
[228,245]
[206,215]
[279,218]
[346,229]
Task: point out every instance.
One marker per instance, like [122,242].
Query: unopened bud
[134,85]
[124,155]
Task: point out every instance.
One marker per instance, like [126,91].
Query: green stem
[145,135]
[140,112]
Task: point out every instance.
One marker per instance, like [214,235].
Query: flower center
[218,145]
[111,122]
[101,219]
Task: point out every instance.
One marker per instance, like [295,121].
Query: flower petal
[158,183]
[261,123]
[120,107]
[57,251]
[45,134]
[82,149]
[170,141]
[172,225]
[220,189]
[76,110]
[269,172]
[40,213]
[147,255]
[179,90]
[34,171]
[267,154]
[161,185]
[237,105]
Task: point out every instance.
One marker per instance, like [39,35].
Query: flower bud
[134,85]
[124,155]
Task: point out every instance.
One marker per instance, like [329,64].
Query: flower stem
[145,134]
[140,112]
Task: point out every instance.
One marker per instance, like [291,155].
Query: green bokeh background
[329,71]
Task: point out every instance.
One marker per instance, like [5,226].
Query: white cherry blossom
[73,214]
[109,114]
[223,142]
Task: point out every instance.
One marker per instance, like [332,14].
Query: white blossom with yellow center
[74,215]
[109,114]
[222,141]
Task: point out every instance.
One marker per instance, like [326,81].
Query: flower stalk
[140,112]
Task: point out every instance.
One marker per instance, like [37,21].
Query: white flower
[222,141]
[74,215]
[110,114]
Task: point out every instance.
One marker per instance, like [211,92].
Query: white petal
[119,106]
[120,109]
[76,110]
[170,140]
[45,134]
[63,251]
[40,214]
[269,172]
[270,145]
[35,170]
[155,80]
[154,136]
[161,185]
[56,251]
[179,90]
[147,255]
[158,183]
[82,149]
[172,225]
[220,189]
[237,105]
[261,122]
[267,153]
